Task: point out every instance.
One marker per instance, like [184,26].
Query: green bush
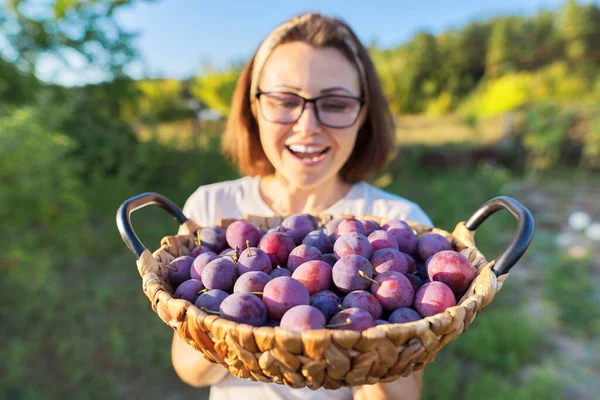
[215,89]
[41,197]
[74,321]
[591,142]
[157,166]
[159,100]
[16,87]
[545,134]
[496,96]
[43,213]
[92,117]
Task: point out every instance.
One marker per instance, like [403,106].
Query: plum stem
[260,293]
[237,254]
[228,255]
[202,291]
[172,268]
[346,323]
[248,246]
[362,273]
[208,311]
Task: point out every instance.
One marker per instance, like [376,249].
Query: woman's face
[306,152]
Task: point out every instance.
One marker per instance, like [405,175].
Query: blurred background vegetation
[503,106]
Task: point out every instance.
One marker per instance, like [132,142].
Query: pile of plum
[347,274]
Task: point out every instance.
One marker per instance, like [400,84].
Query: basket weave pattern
[316,358]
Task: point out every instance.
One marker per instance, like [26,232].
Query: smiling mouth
[309,155]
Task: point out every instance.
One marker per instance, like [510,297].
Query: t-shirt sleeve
[197,207]
[416,214]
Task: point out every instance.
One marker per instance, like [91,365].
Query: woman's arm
[404,388]
[191,366]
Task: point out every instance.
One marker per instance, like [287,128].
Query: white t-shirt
[234,199]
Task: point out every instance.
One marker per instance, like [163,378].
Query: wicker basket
[321,358]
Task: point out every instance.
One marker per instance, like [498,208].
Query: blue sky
[177,36]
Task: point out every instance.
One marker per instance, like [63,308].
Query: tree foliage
[91,116]
[158,100]
[41,190]
[60,27]
[455,63]
[215,89]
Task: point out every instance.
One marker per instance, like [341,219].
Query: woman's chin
[304,181]
[309,176]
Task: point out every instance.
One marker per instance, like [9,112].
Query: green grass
[450,377]
[502,339]
[567,282]
[487,385]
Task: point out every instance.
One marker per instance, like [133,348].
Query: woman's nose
[308,122]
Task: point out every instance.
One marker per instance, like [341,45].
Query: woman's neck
[284,198]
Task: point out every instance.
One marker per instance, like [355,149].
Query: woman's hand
[404,388]
[191,366]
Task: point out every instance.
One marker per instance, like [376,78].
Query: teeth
[299,148]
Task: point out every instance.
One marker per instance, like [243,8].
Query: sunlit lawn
[452,128]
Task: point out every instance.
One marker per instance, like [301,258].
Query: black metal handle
[522,238]
[135,203]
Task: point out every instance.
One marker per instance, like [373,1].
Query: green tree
[580,31]
[425,64]
[541,44]
[500,55]
[462,54]
[158,100]
[92,116]
[32,29]
[41,197]
[388,68]
[16,87]
[215,89]
[399,80]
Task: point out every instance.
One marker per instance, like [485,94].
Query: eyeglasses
[334,111]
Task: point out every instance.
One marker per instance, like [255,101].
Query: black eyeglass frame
[313,100]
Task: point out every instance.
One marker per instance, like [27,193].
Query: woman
[309,123]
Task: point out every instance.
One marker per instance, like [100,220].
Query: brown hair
[376,139]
